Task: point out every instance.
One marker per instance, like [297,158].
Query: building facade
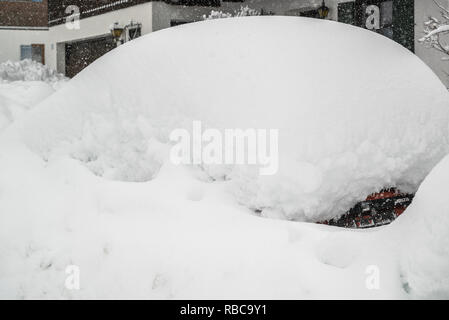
[76,32]
[23,26]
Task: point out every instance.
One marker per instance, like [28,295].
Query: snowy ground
[22,86]
[164,240]
[85,178]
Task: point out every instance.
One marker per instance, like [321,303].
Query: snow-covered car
[379,209]
[87,179]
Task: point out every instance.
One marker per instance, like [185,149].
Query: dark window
[25,52]
[134,32]
[38,53]
[309,13]
[346,11]
[174,22]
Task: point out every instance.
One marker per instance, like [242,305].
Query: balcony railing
[88,8]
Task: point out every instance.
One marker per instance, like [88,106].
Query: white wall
[93,27]
[424,9]
[11,40]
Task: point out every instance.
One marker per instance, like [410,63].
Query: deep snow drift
[28,70]
[423,231]
[361,116]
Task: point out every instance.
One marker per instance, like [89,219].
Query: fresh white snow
[425,239]
[85,177]
[23,85]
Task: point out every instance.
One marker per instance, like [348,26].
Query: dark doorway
[80,54]
[38,53]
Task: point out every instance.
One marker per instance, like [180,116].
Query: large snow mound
[355,111]
[180,237]
[423,232]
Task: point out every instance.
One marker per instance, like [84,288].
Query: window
[310,13]
[25,52]
[35,52]
[134,32]
[346,12]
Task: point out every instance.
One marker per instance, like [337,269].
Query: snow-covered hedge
[28,70]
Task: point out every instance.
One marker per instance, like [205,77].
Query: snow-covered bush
[242,12]
[28,70]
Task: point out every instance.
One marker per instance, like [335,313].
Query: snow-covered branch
[436,31]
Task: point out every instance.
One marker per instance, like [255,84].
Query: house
[78,31]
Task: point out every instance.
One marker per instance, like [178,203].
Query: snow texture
[23,85]
[364,115]
[368,116]
[425,237]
